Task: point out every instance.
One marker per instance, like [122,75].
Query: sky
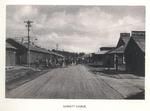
[74,28]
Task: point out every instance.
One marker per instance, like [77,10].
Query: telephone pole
[57,46]
[28,22]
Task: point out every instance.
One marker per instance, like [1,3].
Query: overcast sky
[74,28]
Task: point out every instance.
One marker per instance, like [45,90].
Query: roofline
[135,43]
[26,47]
[132,38]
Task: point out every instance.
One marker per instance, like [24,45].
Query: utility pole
[28,22]
[57,46]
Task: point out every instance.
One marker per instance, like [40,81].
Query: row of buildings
[128,55]
[17,54]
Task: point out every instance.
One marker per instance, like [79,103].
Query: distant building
[10,55]
[135,53]
[100,58]
[70,57]
[106,48]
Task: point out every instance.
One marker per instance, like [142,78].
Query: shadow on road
[140,95]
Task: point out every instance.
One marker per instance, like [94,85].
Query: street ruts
[73,82]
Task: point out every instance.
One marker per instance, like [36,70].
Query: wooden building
[10,55]
[117,54]
[36,53]
[135,53]
[102,59]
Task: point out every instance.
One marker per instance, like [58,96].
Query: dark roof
[138,33]
[9,46]
[125,39]
[120,49]
[35,48]
[140,41]
[106,48]
[138,37]
[65,53]
[25,45]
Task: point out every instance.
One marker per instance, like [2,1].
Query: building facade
[39,54]
[10,55]
[135,53]
[117,54]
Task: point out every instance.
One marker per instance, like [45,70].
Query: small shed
[10,55]
[135,54]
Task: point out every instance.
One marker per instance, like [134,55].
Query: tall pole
[57,46]
[28,22]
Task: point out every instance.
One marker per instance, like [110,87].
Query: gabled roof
[140,41]
[117,50]
[120,46]
[9,46]
[32,48]
[125,40]
[35,48]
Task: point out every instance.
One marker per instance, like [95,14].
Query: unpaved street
[74,82]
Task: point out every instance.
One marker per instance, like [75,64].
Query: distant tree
[81,53]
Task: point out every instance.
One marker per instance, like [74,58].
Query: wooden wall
[10,57]
[135,59]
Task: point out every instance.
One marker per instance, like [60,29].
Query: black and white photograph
[75,52]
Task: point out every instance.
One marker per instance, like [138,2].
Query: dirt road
[74,82]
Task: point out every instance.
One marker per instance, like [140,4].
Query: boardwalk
[75,82]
